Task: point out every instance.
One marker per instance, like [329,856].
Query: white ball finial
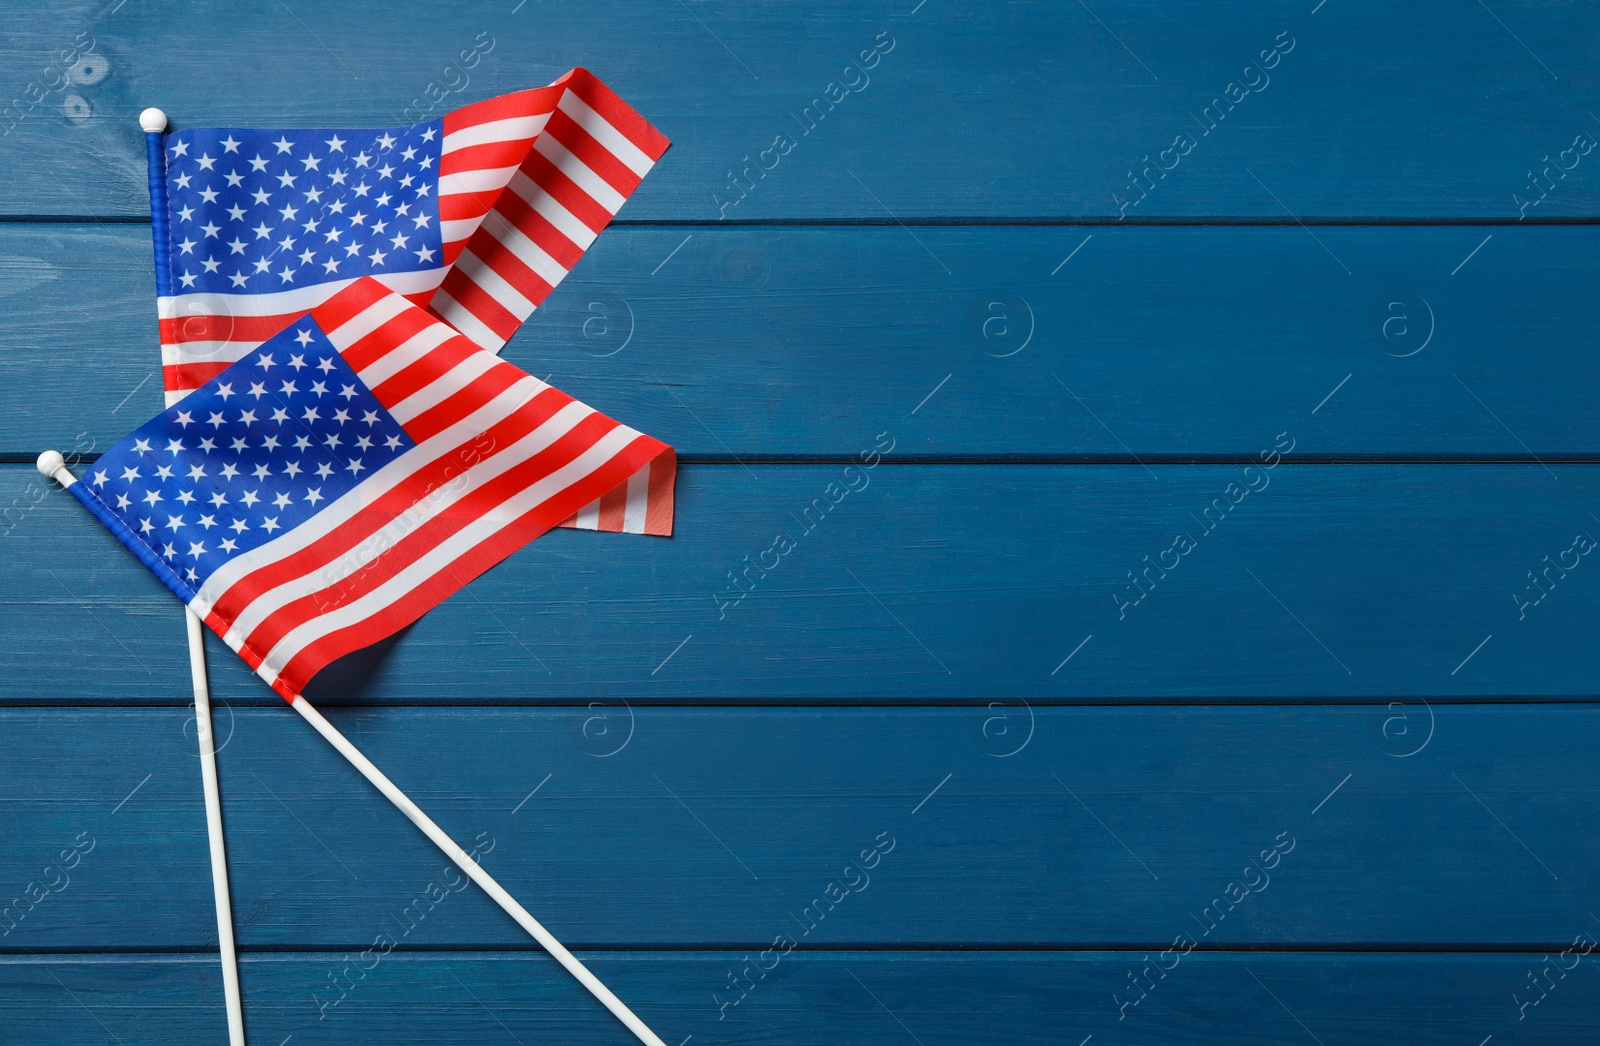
[51,462]
[153,120]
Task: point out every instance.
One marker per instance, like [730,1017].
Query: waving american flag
[475,217]
[338,481]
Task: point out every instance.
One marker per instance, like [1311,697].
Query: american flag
[475,216]
[341,479]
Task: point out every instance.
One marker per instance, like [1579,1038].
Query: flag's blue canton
[249,455]
[262,211]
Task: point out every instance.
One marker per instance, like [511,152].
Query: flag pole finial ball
[153,120]
[51,462]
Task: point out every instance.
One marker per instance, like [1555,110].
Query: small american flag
[338,481]
[475,216]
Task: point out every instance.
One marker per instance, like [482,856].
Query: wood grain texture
[852,998]
[1149,343]
[1015,110]
[1373,270]
[931,583]
[993,826]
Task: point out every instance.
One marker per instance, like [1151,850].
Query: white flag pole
[52,465]
[153,122]
[618,1008]
[219,857]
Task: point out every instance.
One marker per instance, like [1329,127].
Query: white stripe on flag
[367,320]
[462,319]
[452,381]
[447,552]
[492,283]
[341,509]
[638,502]
[175,353]
[511,129]
[600,130]
[406,353]
[588,517]
[389,536]
[597,187]
[552,211]
[484,180]
[279,303]
[459,229]
[529,253]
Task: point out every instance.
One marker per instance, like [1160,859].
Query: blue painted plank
[1111,825]
[693,827]
[1155,343]
[932,583]
[1128,108]
[850,998]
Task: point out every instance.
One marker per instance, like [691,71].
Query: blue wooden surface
[744,345]
[1020,111]
[940,583]
[1033,797]
[850,997]
[1347,278]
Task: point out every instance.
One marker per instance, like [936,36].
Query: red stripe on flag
[511,269]
[658,500]
[565,191]
[618,113]
[461,206]
[209,327]
[345,306]
[444,583]
[530,102]
[348,536]
[614,506]
[485,307]
[191,375]
[389,336]
[432,532]
[595,156]
[486,156]
[485,387]
[419,375]
[663,478]
[536,227]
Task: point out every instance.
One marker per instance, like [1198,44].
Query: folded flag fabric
[341,479]
[474,216]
